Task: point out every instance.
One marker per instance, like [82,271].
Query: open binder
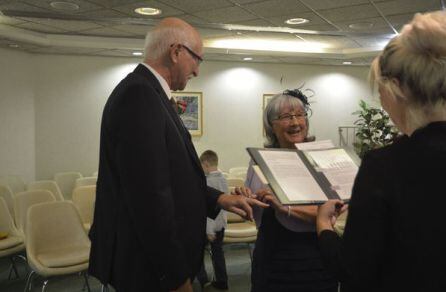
[316,173]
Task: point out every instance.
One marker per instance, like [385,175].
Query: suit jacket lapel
[142,70]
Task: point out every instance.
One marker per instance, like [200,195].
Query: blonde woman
[394,239]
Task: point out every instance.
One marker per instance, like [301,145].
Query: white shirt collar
[161,80]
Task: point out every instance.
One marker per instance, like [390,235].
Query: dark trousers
[218,261]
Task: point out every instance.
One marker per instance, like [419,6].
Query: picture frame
[192,116]
[266,98]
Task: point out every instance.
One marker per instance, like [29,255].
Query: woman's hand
[243,191]
[328,213]
[269,198]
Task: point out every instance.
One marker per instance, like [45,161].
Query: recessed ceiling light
[61,5]
[297,20]
[13,45]
[361,25]
[239,33]
[347,63]
[137,53]
[247,59]
[148,11]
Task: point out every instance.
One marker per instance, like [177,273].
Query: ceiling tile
[404,6]
[192,19]
[129,9]
[19,6]
[137,30]
[378,26]
[311,16]
[399,20]
[40,27]
[45,4]
[10,20]
[192,6]
[350,13]
[112,3]
[320,27]
[372,42]
[213,33]
[254,22]
[225,15]
[273,8]
[329,4]
[101,13]
[106,32]
[335,42]
[65,50]
[66,25]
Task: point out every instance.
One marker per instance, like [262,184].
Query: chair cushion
[10,242]
[64,257]
[244,229]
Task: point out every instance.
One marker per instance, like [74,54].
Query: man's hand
[239,205]
[185,287]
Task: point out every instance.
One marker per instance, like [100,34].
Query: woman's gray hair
[412,67]
[160,39]
[272,112]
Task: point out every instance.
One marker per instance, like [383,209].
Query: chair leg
[250,252]
[86,284]
[13,268]
[104,288]
[45,283]
[29,281]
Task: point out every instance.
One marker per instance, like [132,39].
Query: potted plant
[374,129]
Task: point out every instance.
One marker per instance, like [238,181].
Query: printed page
[323,144]
[338,168]
[293,177]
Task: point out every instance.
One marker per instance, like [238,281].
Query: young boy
[215,229]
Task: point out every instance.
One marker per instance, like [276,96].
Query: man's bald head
[167,32]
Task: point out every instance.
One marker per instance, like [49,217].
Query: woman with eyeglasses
[286,255]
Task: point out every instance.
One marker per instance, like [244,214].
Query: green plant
[374,129]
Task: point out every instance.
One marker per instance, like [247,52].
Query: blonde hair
[412,67]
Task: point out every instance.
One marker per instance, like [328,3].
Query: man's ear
[174,53]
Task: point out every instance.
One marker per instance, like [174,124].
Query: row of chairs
[56,245]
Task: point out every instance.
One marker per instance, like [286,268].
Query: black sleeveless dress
[288,261]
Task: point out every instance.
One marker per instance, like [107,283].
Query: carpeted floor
[237,261]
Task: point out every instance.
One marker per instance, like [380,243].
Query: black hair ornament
[297,93]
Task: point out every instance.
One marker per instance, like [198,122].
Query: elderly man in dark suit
[152,200]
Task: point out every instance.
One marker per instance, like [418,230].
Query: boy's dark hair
[210,157]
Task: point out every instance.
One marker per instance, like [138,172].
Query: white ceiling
[112,28]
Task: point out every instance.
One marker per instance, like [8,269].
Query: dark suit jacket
[395,237]
[152,200]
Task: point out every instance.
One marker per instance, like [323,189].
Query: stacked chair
[65,181]
[56,242]
[48,185]
[14,182]
[12,242]
[84,198]
[240,231]
[86,181]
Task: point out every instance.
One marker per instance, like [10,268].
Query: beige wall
[70,92]
[17,146]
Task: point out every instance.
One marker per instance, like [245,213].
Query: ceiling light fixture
[255,44]
[137,53]
[247,59]
[361,25]
[296,21]
[347,63]
[148,11]
[62,5]
[13,45]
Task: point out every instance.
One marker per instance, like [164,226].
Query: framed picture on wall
[266,98]
[191,110]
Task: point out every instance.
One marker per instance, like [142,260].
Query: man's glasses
[287,118]
[193,54]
